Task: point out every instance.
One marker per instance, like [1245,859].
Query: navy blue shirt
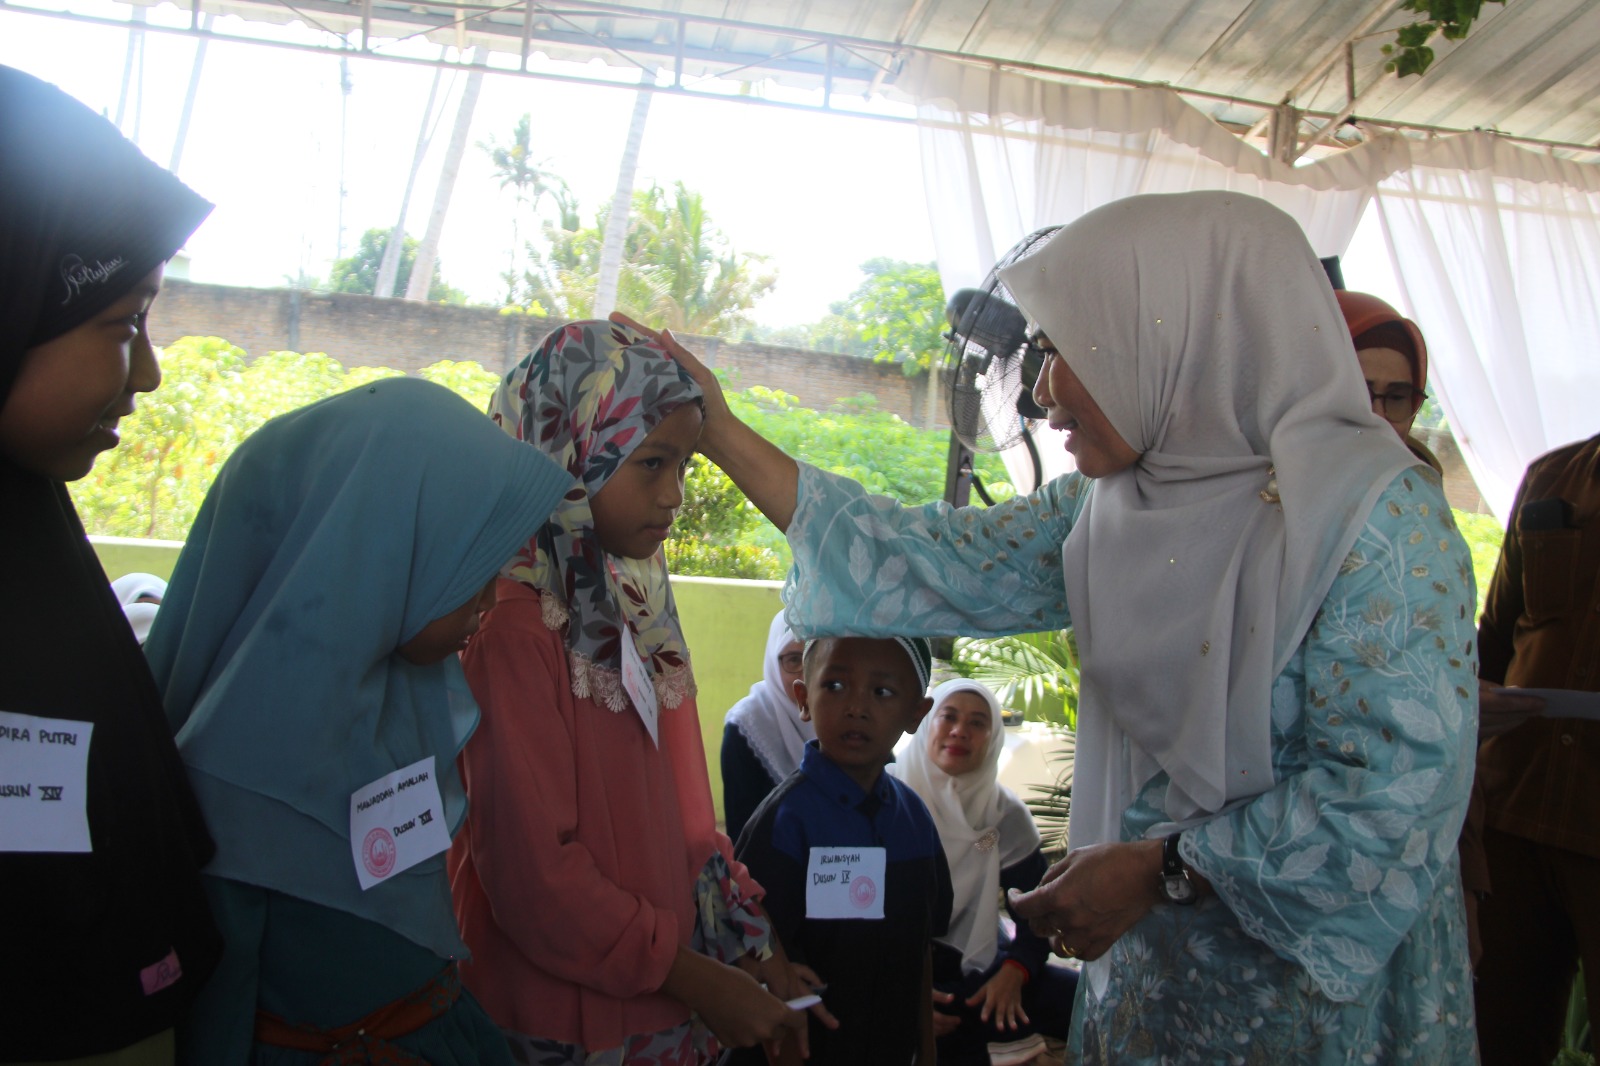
[873,968]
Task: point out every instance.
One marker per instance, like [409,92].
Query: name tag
[845,883]
[396,822]
[636,682]
[44,783]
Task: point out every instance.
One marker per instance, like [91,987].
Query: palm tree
[529,182]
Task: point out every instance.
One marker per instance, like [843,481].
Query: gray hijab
[1204,326]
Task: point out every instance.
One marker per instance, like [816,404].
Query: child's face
[860,694]
[634,509]
[444,637]
[71,391]
[958,737]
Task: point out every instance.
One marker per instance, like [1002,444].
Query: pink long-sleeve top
[573,877]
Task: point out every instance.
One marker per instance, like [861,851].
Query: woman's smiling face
[72,390]
[960,732]
[1098,448]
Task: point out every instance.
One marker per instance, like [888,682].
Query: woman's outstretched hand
[716,403]
[760,468]
[1094,895]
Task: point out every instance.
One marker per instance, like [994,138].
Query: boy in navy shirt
[856,880]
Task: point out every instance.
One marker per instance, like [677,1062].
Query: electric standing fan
[990,366]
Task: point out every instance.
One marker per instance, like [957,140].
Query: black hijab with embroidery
[105,947]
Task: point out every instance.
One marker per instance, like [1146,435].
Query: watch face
[1179,889]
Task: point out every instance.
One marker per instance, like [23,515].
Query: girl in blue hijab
[306,652]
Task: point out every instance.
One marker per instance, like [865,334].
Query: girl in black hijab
[103,924]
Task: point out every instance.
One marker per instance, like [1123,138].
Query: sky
[817,193]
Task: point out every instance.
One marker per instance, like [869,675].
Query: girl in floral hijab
[600,902]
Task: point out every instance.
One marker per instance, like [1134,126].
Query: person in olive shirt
[1541,777]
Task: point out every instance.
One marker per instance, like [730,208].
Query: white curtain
[1497,249]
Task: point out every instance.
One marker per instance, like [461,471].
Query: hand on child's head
[634,510]
[72,390]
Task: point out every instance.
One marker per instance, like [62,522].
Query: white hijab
[983,826]
[1204,327]
[141,616]
[769,718]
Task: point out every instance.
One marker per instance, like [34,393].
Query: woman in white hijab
[995,999]
[140,596]
[764,737]
[1278,711]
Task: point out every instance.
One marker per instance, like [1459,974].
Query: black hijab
[105,947]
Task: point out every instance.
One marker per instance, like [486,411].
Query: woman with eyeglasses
[1394,360]
[764,737]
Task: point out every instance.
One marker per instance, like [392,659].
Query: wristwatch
[1175,883]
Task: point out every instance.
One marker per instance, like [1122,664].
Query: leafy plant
[210,399]
[1451,19]
[1036,672]
[359,272]
[895,315]
[1483,535]
[1575,1036]
[1051,805]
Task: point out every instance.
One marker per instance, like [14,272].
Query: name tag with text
[845,883]
[396,822]
[44,783]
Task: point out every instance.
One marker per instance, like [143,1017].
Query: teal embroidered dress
[1337,933]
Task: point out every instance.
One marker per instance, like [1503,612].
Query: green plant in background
[467,379]
[210,399]
[721,534]
[717,530]
[678,269]
[1576,1037]
[1451,19]
[1483,535]
[359,272]
[1036,673]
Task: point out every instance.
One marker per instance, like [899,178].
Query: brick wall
[366,331]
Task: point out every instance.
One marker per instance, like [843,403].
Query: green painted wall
[725,623]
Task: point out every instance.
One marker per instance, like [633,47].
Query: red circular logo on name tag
[862,892]
[378,852]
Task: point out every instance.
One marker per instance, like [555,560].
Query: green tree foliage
[359,272]
[896,315]
[678,269]
[1451,19]
[211,398]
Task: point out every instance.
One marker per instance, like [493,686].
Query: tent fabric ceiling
[1528,68]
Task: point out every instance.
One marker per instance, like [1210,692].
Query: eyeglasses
[790,662]
[1399,403]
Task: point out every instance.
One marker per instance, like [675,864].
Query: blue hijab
[332,536]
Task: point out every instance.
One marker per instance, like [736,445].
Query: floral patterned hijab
[586,397]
